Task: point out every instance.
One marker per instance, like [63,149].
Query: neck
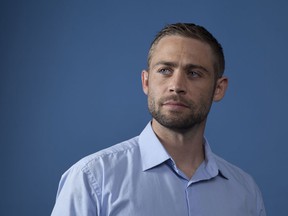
[184,146]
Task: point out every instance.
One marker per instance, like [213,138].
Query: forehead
[182,49]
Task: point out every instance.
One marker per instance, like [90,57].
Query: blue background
[70,85]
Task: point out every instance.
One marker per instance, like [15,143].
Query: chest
[162,193]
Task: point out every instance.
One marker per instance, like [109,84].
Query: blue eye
[165,71]
[194,74]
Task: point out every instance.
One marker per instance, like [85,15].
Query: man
[169,169]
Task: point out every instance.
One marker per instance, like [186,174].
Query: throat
[189,171]
[187,160]
[186,149]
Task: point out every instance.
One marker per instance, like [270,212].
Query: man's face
[180,83]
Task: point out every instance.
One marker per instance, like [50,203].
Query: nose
[178,83]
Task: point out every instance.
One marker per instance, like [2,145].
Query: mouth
[175,104]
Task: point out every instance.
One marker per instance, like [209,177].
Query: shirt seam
[103,153]
[92,181]
[91,178]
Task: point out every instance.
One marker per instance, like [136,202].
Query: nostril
[177,90]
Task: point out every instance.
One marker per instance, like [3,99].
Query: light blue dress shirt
[139,178]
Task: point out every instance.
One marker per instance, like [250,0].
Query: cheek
[207,90]
[152,91]
[150,96]
[153,98]
[203,96]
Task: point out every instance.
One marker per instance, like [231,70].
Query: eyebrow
[173,64]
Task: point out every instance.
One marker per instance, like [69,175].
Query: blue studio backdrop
[70,86]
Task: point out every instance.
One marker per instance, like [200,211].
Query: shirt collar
[153,153]
[211,167]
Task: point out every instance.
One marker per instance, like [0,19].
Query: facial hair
[176,120]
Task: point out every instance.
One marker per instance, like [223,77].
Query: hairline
[218,72]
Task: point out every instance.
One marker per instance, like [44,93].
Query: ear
[144,78]
[220,88]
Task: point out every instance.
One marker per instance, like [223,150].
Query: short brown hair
[194,31]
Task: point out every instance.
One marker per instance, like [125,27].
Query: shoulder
[85,178]
[242,182]
[235,173]
[116,152]
[107,161]
[91,169]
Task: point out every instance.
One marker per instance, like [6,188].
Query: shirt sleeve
[77,194]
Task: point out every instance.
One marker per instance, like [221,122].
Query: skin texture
[181,86]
